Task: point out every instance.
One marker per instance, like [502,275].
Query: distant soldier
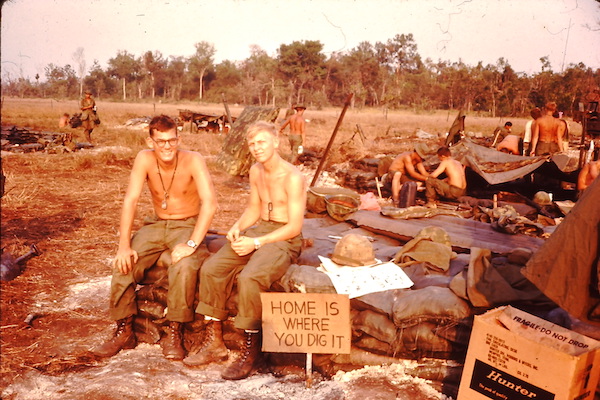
[63,121]
[297,135]
[535,114]
[88,115]
[501,132]
[547,133]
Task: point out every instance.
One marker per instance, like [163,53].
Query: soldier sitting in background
[453,187]
[588,173]
[406,167]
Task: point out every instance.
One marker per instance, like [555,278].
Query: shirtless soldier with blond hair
[263,243]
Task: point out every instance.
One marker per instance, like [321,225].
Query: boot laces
[121,327]
[175,333]
[247,347]
[208,338]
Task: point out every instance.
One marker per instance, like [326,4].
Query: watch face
[191,243]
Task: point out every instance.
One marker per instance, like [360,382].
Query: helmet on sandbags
[542,198]
[353,250]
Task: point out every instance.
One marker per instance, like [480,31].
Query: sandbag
[431,304]
[307,277]
[152,309]
[495,281]
[423,277]
[146,330]
[152,293]
[374,324]
[413,342]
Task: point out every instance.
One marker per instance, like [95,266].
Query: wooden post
[582,143]
[227,110]
[309,370]
[337,126]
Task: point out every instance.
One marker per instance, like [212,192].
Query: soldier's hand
[180,251]
[125,259]
[243,245]
[233,234]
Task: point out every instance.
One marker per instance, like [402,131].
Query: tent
[567,267]
[497,167]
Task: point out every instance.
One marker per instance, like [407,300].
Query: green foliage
[388,74]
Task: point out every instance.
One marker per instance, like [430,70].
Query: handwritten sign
[306,323]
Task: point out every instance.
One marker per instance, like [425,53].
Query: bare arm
[535,135]
[560,133]
[252,212]
[286,123]
[303,131]
[208,206]
[420,175]
[440,169]
[126,256]
[582,178]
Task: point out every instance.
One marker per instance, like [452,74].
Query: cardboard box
[514,355]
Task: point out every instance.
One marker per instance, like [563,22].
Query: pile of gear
[25,140]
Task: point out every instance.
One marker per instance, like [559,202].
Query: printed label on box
[497,384]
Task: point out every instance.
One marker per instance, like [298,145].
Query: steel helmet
[353,250]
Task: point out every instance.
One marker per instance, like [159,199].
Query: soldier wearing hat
[408,166]
[88,115]
[297,135]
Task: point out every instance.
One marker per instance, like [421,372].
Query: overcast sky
[38,32]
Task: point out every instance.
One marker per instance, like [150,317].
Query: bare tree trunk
[124,94]
[201,82]
[153,88]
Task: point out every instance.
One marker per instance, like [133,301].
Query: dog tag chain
[163,205]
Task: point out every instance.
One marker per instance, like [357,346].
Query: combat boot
[249,358]
[124,338]
[172,344]
[213,348]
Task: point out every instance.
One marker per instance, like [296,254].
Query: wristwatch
[192,244]
[256,244]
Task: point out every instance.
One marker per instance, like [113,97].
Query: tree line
[388,74]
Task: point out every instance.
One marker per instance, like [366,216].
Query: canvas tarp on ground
[497,167]
[235,158]
[566,268]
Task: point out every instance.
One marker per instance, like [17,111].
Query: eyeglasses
[161,143]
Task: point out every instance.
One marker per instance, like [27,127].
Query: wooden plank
[464,233]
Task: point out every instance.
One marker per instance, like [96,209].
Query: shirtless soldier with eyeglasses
[184,203]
